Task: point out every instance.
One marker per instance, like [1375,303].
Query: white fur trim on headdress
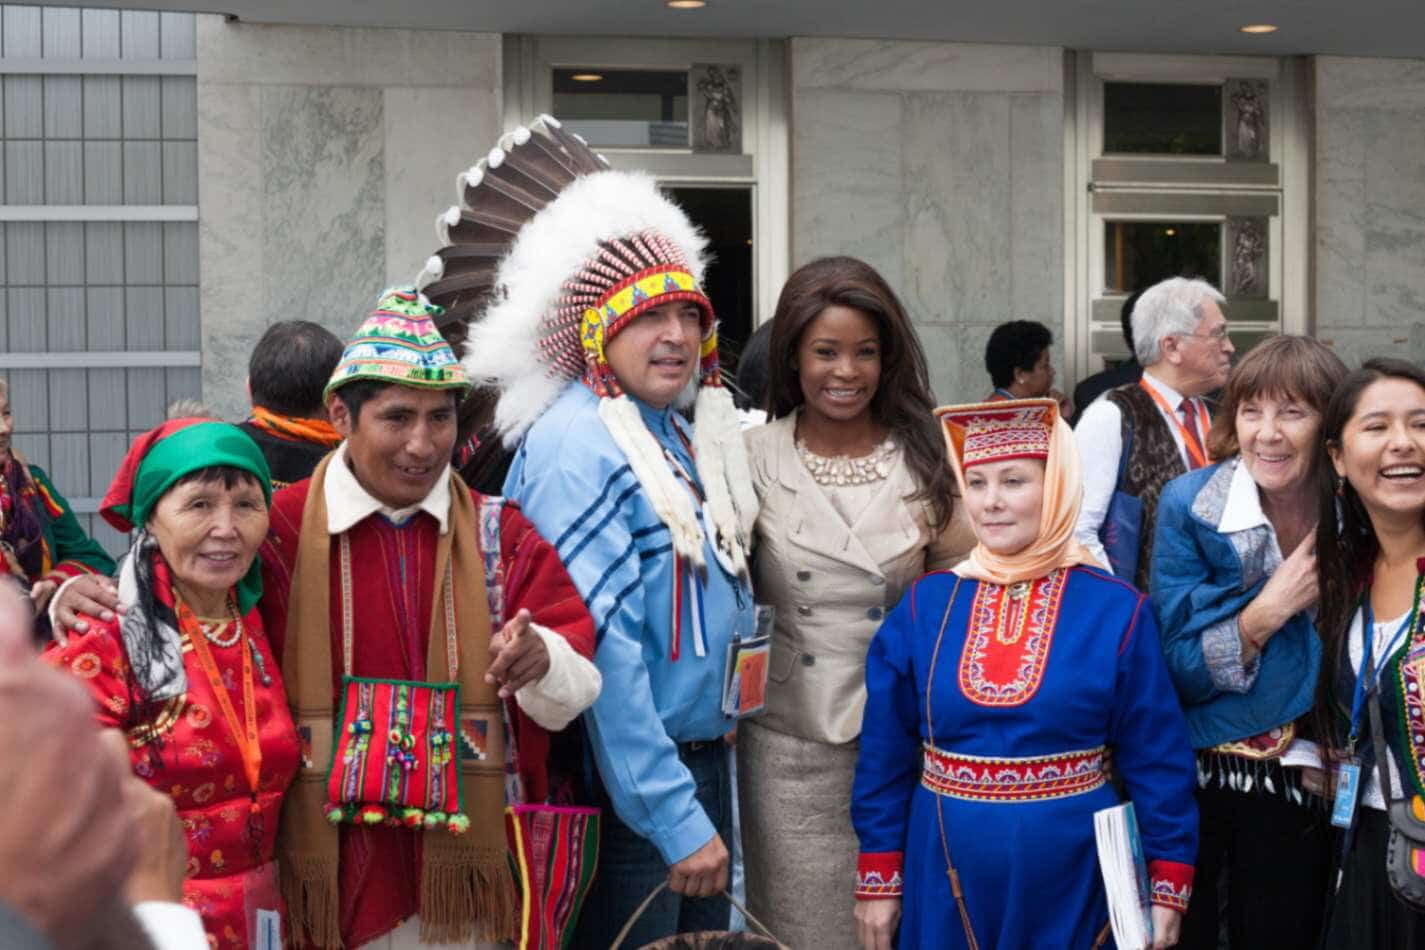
[725,473]
[502,350]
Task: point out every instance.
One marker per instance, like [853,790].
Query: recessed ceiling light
[687,4]
[587,77]
[1170,232]
[1259,28]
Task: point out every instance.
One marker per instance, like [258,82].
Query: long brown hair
[902,401]
[1346,545]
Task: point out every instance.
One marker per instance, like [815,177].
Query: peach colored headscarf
[1055,545]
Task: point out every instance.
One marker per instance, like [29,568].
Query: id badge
[1348,792]
[261,903]
[744,691]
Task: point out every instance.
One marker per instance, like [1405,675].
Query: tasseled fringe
[461,901]
[309,886]
[671,502]
[1264,777]
[725,473]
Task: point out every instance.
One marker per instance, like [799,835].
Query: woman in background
[42,541]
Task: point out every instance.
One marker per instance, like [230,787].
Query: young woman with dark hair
[856,503]
[1370,554]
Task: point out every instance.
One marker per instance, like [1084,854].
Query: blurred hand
[41,593]
[702,873]
[1167,924]
[68,847]
[89,594]
[876,922]
[519,656]
[163,847]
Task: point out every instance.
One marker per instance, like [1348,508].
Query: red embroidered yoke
[394,584]
[189,752]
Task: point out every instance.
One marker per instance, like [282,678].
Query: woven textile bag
[554,849]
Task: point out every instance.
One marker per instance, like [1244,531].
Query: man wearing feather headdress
[588,323]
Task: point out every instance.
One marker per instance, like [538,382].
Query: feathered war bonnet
[548,257]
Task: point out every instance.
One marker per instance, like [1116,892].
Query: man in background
[286,374]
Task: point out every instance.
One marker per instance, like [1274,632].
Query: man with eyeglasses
[1180,338]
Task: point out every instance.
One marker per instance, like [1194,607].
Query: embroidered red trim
[878,875]
[1171,884]
[1007,644]
[1271,744]
[1012,780]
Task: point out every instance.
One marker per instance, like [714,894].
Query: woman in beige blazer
[856,503]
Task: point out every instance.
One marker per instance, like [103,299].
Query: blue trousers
[630,867]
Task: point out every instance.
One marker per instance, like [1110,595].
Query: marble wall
[324,155]
[942,165]
[1369,240]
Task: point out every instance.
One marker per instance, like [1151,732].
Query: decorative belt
[1012,780]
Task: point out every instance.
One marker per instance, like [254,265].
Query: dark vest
[1153,461]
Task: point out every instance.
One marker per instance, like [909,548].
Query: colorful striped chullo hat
[399,343]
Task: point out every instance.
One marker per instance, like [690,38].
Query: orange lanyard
[1192,443]
[246,738]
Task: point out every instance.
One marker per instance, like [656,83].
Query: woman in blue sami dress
[1039,666]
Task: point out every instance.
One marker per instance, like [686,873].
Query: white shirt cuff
[569,687]
[171,926]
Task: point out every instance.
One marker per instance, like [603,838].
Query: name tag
[268,927]
[744,690]
[1348,792]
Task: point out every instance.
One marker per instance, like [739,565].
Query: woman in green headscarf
[186,671]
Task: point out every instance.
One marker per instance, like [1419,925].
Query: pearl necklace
[211,628]
[846,470]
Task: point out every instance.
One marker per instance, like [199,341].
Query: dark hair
[1125,318]
[1015,345]
[902,401]
[290,366]
[1346,545]
[355,394]
[230,475]
[751,382]
[1295,367]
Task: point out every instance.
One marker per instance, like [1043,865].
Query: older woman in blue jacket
[1233,584]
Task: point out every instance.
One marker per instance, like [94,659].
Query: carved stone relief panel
[1247,257]
[1247,104]
[715,107]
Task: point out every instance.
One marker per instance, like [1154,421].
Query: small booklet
[1125,876]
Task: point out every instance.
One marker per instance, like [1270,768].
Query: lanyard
[246,735]
[1192,443]
[1368,676]
[1001,394]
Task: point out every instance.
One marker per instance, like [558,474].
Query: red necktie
[1190,424]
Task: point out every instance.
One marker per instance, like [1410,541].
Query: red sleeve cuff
[878,875]
[1171,883]
[64,570]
